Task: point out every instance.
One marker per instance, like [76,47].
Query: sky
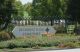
[25,1]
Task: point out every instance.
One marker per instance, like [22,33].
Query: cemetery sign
[32,30]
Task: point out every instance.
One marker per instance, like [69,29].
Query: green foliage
[74,10]
[11,45]
[68,45]
[48,9]
[63,8]
[20,11]
[6,11]
[60,28]
[37,42]
[9,28]
[45,9]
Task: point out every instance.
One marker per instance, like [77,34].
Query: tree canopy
[45,9]
[74,10]
[20,11]
[6,10]
[48,10]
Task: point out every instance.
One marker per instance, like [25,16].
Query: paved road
[67,50]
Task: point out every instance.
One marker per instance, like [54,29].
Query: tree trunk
[51,22]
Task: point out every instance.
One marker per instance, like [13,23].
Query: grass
[42,42]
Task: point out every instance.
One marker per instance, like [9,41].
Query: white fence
[30,22]
[36,22]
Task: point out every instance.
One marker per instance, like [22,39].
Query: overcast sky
[25,1]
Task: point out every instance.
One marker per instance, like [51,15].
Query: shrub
[36,47]
[10,27]
[60,28]
[77,30]
[67,45]
[5,36]
[3,45]
[11,45]
[64,42]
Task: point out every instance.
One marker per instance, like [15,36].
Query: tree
[23,10]
[28,7]
[46,10]
[27,10]
[19,7]
[74,10]
[6,10]
[63,9]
